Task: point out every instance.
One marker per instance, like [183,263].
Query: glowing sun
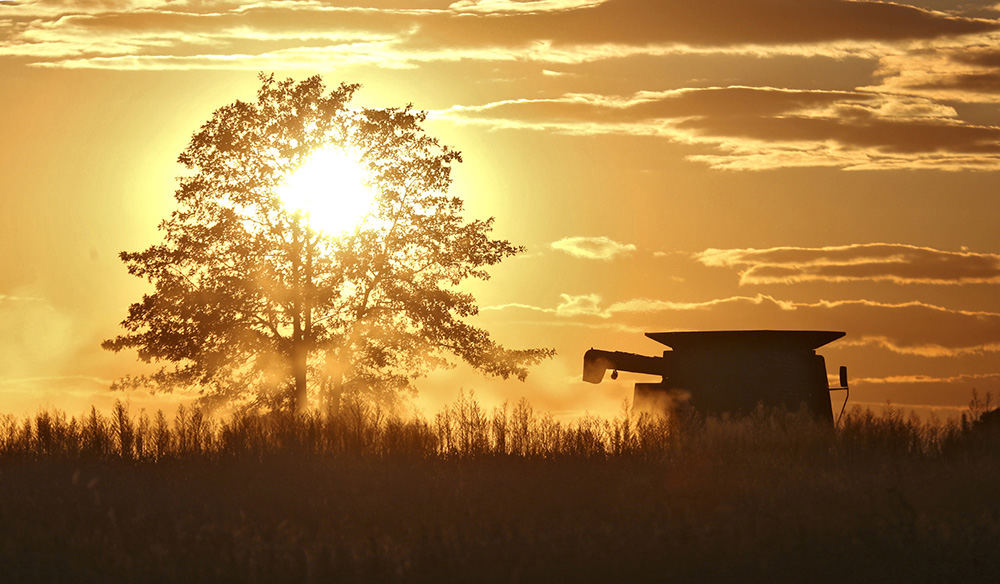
[332,189]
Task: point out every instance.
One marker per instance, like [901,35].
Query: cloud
[892,262]
[919,378]
[922,391]
[570,305]
[592,248]
[99,382]
[37,336]
[511,6]
[932,412]
[966,71]
[645,106]
[905,120]
[74,39]
[706,23]
[921,350]
[42,8]
[76,394]
[754,128]
[582,305]
[516,306]
[353,54]
[152,33]
[48,351]
[906,328]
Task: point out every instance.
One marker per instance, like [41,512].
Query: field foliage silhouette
[359,493]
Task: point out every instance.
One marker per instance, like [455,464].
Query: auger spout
[596,362]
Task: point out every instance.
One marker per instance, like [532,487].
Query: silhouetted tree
[254,305]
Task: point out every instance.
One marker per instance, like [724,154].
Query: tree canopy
[253,304]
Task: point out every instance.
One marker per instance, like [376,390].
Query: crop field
[506,495]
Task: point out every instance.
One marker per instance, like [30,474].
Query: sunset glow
[667,165]
[332,189]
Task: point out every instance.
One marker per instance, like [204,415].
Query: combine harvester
[718,373]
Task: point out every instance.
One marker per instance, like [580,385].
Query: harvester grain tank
[728,372]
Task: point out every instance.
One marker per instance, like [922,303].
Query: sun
[332,189]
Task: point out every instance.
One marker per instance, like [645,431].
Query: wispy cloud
[11,298]
[570,305]
[906,328]
[919,378]
[581,305]
[554,31]
[754,128]
[284,59]
[710,23]
[903,120]
[509,6]
[892,262]
[920,350]
[592,248]
[966,71]
[57,379]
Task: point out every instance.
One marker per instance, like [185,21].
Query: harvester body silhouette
[719,373]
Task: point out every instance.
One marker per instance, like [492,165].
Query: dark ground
[746,504]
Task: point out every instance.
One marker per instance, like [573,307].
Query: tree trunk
[300,351]
[299,354]
[306,336]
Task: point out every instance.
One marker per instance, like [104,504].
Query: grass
[359,494]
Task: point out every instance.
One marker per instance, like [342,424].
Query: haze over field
[724,164]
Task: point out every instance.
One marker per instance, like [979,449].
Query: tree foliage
[254,305]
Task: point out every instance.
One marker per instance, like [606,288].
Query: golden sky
[720,164]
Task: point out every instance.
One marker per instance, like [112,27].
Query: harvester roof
[746,340]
